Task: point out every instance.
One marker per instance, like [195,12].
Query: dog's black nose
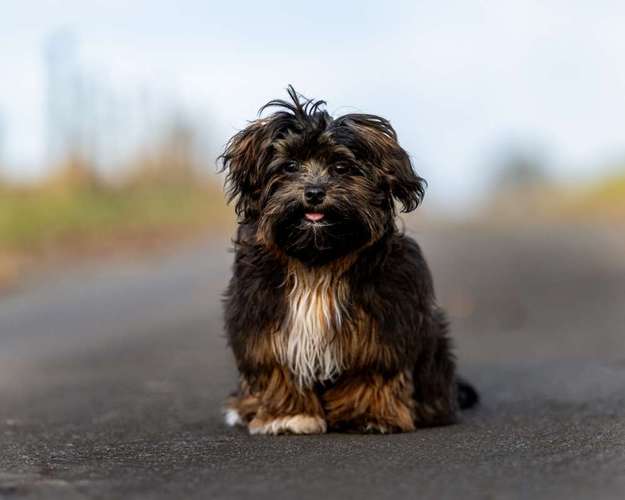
[314,194]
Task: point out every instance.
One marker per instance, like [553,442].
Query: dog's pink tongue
[314,216]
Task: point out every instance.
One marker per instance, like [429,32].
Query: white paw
[376,429]
[232,417]
[295,424]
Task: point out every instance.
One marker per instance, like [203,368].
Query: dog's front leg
[285,408]
[371,403]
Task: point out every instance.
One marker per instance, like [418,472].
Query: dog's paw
[232,417]
[294,424]
[376,428]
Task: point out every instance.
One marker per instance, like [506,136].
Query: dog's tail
[468,396]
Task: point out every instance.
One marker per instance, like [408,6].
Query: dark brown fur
[363,286]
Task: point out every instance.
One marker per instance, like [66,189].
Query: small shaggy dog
[331,311]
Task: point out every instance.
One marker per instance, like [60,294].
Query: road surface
[112,377]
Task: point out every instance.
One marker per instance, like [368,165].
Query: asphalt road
[112,377]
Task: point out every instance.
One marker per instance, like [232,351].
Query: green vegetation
[33,218]
[159,195]
[74,210]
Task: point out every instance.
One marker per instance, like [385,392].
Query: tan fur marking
[360,344]
[269,406]
[372,403]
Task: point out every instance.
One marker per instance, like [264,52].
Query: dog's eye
[341,168]
[290,167]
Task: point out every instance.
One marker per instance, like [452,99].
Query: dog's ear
[382,148]
[244,159]
[404,184]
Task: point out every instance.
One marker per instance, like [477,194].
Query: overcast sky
[459,80]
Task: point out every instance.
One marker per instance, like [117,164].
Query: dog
[330,311]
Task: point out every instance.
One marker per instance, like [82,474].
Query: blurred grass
[75,211]
[604,200]
[601,201]
[33,218]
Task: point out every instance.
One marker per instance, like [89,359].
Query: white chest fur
[308,343]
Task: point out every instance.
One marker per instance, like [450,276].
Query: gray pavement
[112,376]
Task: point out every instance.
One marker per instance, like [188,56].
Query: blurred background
[114,236]
[112,113]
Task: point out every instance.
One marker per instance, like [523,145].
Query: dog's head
[318,187]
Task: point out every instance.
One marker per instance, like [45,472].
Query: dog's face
[319,188]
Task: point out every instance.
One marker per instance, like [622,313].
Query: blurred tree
[178,152]
[3,166]
[520,184]
[72,104]
[2,140]
[60,55]
[172,160]
[520,169]
[74,175]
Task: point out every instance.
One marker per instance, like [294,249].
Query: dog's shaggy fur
[331,311]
